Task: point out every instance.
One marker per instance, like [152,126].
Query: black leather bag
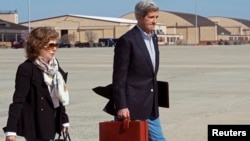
[63,137]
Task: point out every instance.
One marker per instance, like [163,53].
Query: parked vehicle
[109,42]
[64,45]
[237,43]
[81,44]
[16,45]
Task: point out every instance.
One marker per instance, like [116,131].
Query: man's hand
[123,114]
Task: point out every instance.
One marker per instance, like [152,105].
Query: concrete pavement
[208,85]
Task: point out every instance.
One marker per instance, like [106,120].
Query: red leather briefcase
[123,130]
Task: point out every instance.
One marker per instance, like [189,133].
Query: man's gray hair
[143,7]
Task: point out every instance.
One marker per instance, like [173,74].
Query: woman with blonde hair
[37,111]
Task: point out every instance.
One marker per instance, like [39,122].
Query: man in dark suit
[136,63]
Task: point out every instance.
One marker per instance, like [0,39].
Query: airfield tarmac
[208,85]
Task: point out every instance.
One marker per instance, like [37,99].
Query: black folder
[163,94]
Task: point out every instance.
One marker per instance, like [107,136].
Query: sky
[40,9]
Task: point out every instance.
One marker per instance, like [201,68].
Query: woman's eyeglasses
[51,46]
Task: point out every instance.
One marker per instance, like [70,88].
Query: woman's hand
[10,138]
[65,129]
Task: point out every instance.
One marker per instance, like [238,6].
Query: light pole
[29,14]
[196,30]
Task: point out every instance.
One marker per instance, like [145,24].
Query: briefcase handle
[126,123]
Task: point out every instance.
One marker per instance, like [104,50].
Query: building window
[64,32]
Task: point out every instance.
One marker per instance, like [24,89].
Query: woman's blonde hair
[38,38]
